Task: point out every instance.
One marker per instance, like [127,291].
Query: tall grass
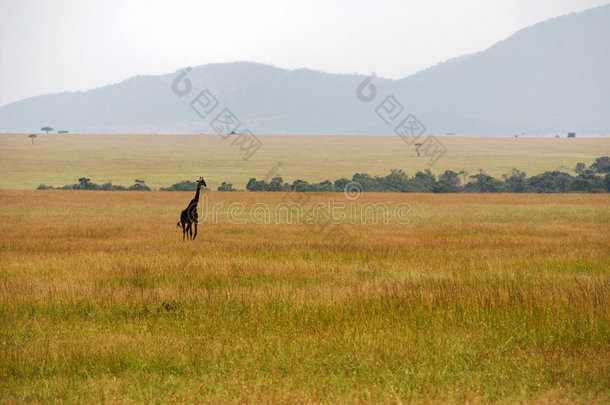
[488,299]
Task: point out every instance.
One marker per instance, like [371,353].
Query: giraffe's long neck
[196,199]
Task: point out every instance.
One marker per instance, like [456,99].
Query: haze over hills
[550,78]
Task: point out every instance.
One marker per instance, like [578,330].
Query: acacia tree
[226,187]
[84,182]
[417,145]
[46,129]
[139,185]
[32,136]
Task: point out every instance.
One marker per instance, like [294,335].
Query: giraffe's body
[189,216]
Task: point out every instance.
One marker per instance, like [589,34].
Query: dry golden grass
[484,298]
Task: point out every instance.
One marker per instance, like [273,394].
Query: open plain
[162,160]
[501,298]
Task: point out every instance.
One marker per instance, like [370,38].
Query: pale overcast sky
[66,45]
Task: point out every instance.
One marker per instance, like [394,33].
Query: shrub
[226,187]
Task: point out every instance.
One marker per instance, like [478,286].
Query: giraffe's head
[201,182]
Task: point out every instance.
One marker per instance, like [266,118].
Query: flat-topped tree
[32,136]
[417,146]
[46,129]
[139,185]
[84,183]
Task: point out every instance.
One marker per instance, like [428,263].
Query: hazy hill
[548,78]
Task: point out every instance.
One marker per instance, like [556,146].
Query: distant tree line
[85,183]
[192,186]
[595,179]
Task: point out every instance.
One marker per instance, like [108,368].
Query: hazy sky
[58,45]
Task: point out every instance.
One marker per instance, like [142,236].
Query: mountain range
[550,78]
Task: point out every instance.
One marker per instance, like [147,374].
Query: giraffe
[189,216]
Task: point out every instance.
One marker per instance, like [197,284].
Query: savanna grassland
[478,298]
[162,160]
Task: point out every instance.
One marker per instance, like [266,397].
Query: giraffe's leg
[195,235]
[183,230]
[190,230]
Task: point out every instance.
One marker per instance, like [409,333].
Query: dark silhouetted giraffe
[189,216]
